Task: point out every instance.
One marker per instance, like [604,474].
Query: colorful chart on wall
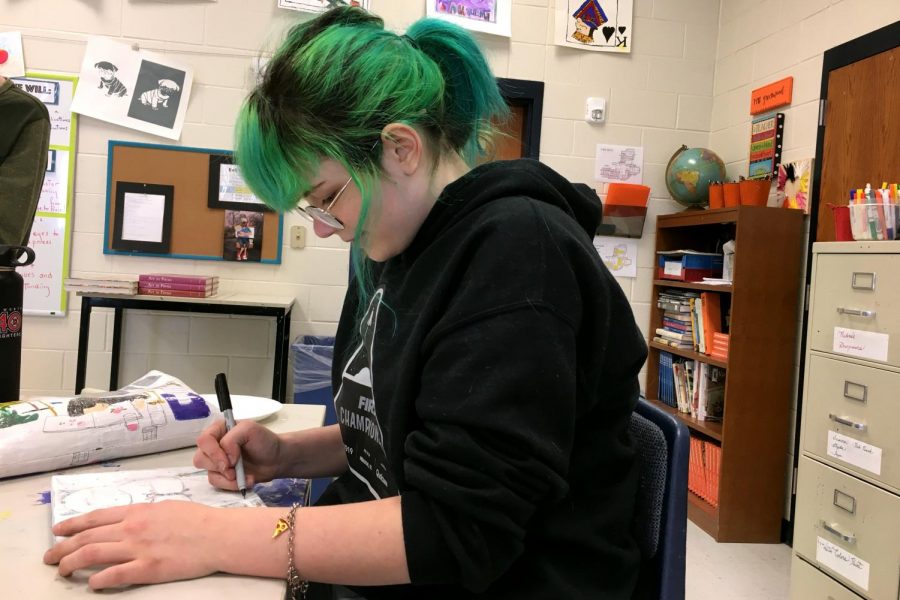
[595,25]
[486,16]
[52,230]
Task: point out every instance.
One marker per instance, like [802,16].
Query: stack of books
[677,330]
[120,285]
[720,345]
[703,470]
[183,286]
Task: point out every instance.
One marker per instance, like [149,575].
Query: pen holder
[874,221]
[732,193]
[716,195]
[755,192]
[841,216]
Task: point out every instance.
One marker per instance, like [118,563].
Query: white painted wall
[660,96]
[762,42]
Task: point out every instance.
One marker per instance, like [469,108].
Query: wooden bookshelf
[764,300]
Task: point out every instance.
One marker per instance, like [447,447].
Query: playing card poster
[595,25]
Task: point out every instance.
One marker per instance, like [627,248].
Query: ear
[402,147]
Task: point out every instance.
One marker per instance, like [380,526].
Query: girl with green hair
[485,362]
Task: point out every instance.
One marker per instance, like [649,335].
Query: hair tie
[411,42]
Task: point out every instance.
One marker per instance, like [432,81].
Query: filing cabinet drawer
[849,529]
[855,292]
[809,583]
[851,417]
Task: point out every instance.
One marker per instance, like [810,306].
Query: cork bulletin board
[194,230]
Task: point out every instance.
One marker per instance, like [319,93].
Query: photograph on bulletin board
[243,235]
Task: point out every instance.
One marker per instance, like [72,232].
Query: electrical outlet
[298,236]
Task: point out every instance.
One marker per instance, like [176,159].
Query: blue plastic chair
[661,510]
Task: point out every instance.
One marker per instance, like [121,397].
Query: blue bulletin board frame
[201,204]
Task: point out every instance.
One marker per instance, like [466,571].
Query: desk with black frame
[224,303]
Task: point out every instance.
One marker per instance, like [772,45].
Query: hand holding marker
[225,406]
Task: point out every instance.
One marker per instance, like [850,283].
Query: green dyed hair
[333,86]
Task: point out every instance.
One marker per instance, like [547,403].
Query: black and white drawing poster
[595,25]
[133,88]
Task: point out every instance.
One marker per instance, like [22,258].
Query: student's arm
[354,544]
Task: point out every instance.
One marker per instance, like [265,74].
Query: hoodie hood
[508,179]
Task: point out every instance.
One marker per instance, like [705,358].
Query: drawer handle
[847,394]
[846,421]
[856,312]
[833,530]
[863,286]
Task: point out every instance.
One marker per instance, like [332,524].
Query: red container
[841,214]
[732,194]
[755,192]
[716,195]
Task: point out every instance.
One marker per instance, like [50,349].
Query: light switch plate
[298,236]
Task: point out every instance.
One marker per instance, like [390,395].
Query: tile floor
[735,571]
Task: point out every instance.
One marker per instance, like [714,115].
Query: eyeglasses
[323,215]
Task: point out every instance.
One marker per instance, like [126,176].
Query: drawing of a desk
[223,303]
[25,533]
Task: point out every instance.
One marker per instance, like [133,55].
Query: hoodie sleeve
[498,407]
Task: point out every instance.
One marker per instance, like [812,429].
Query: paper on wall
[155,413]
[12,58]
[618,254]
[619,164]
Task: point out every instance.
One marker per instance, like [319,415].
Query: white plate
[256,408]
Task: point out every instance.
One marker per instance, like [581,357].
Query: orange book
[712,317]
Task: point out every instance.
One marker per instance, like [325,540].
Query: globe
[689,173]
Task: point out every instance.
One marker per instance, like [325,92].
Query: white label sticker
[864,344]
[842,562]
[857,453]
[672,267]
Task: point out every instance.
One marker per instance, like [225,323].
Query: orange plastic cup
[732,194]
[716,195]
[755,192]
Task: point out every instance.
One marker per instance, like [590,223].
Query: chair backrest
[661,508]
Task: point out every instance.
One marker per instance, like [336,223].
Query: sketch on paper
[595,25]
[619,255]
[619,164]
[320,6]
[133,88]
[486,16]
[157,412]
[108,80]
[73,495]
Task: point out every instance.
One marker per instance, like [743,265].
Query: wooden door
[862,132]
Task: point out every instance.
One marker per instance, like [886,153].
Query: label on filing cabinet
[857,453]
[842,562]
[864,344]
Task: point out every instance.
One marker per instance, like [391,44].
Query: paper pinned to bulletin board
[52,229]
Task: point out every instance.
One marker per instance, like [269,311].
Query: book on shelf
[125,285]
[193,287]
[175,293]
[703,470]
[712,318]
[672,343]
[176,278]
[673,335]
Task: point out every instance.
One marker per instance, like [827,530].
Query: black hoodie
[490,385]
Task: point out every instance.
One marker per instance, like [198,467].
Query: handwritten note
[861,343]
[842,562]
[143,217]
[43,279]
[54,193]
[857,453]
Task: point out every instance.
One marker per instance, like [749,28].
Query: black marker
[225,406]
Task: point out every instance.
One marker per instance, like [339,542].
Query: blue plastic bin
[312,384]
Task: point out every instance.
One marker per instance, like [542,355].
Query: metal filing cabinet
[847,520]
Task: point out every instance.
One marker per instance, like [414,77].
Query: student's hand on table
[140,543]
[217,452]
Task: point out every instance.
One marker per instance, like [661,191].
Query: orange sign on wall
[771,96]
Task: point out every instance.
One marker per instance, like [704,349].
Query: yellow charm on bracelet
[280,527]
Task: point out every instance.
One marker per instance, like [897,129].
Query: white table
[25,534]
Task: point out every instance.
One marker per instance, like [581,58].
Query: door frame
[878,41]
[530,96]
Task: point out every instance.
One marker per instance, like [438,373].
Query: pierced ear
[402,144]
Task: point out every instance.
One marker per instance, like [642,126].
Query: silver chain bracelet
[296,586]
